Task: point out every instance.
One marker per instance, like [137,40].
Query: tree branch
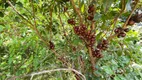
[91,58]
[125,24]
[31,25]
[77,11]
[49,71]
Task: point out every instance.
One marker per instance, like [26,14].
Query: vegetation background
[39,41]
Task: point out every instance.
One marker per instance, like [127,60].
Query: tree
[92,39]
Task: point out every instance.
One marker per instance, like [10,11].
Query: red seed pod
[74,48]
[84,34]
[51,45]
[89,32]
[76,29]
[91,8]
[104,47]
[105,41]
[122,34]
[83,28]
[90,17]
[87,36]
[83,25]
[118,30]
[93,53]
[99,46]
[92,39]
[92,42]
[71,21]
[89,11]
[131,22]
[98,51]
[99,56]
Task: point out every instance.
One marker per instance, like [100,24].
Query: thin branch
[82,64]
[125,24]
[31,25]
[77,11]
[33,13]
[115,19]
[49,71]
[19,13]
[91,58]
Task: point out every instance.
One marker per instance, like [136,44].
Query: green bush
[94,37]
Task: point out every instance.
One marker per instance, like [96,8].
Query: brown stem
[77,11]
[115,19]
[82,64]
[91,58]
[93,25]
[19,13]
[125,24]
[31,25]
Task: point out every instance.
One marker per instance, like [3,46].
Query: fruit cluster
[91,9]
[89,38]
[51,45]
[135,19]
[71,21]
[91,12]
[103,45]
[121,32]
[86,35]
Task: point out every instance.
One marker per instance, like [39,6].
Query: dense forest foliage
[70,40]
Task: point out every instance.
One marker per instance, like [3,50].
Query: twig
[91,58]
[115,19]
[125,24]
[82,64]
[77,11]
[49,71]
[19,13]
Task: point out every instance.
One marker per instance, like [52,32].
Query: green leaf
[107,4]
[19,4]
[82,8]
[6,5]
[1,28]
[116,78]
[108,70]
[97,16]
[1,14]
